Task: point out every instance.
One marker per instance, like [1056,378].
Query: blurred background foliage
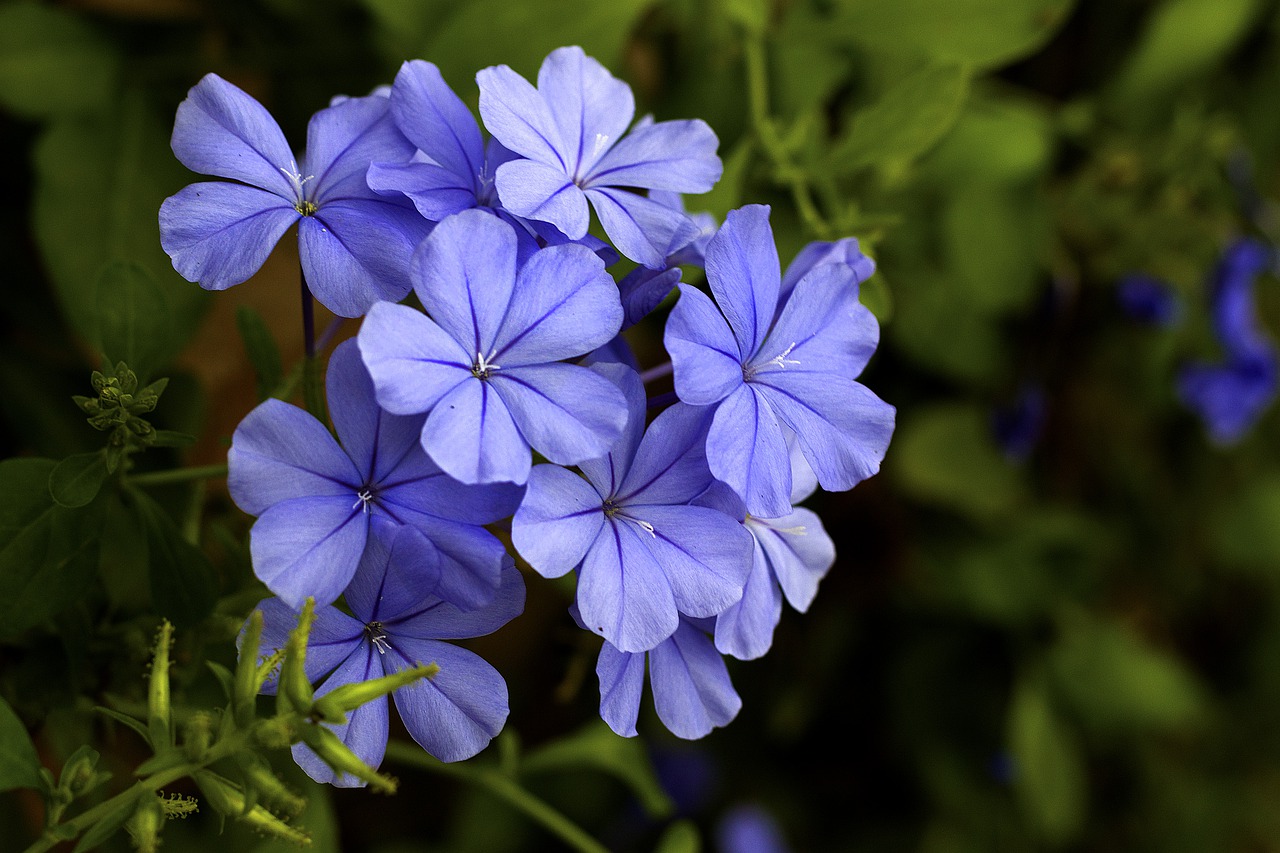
[1068,644]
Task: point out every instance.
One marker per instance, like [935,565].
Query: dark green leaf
[596,747]
[52,63]
[19,764]
[77,479]
[261,348]
[133,317]
[182,582]
[110,823]
[681,837]
[1049,779]
[126,720]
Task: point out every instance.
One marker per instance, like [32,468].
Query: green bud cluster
[119,407]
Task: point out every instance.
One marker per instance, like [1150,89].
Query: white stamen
[646,526]
[365,497]
[381,644]
[295,177]
[781,358]
[483,366]
[602,141]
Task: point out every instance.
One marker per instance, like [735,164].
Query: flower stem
[655,373]
[504,788]
[312,380]
[308,317]
[179,475]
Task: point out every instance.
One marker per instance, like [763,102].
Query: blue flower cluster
[680,523]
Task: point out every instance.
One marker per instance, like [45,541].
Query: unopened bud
[199,734]
[294,692]
[227,798]
[145,823]
[159,713]
[268,785]
[348,697]
[338,755]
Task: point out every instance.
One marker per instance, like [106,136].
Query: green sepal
[259,776]
[224,676]
[293,691]
[341,759]
[246,684]
[126,720]
[348,697]
[145,823]
[110,823]
[228,799]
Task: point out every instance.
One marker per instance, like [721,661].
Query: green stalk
[179,475]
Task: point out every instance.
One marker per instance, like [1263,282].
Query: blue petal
[623,591]
[219,235]
[642,229]
[670,465]
[471,435]
[220,130]
[464,274]
[435,191]
[364,732]
[705,554]
[799,551]
[537,191]
[413,362]
[471,559]
[437,619]
[621,677]
[591,107]
[745,628]
[671,155]
[436,121]
[343,140]
[400,568]
[822,329]
[704,355]
[517,115]
[643,290]
[747,450]
[454,714]
[691,687]
[280,452]
[742,269]
[608,472]
[374,439]
[308,547]
[416,484]
[567,413]
[355,252]
[564,304]
[334,636]
[557,522]
[845,253]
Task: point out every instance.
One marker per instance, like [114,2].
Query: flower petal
[437,619]
[436,121]
[643,290]
[280,452]
[434,190]
[470,434]
[471,559]
[705,554]
[821,329]
[590,106]
[745,628]
[416,484]
[670,465]
[704,354]
[844,252]
[334,636]
[567,413]
[308,547]
[557,522]
[799,551]
[607,472]
[412,361]
[621,677]
[747,450]
[642,229]
[537,191]
[454,714]
[517,115]
[366,729]
[691,687]
[623,591]
[220,130]
[219,235]
[343,140]
[679,156]
[564,304]
[742,269]
[400,568]
[374,439]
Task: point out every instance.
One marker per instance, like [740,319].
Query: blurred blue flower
[749,829]
[1149,300]
[1231,395]
[1017,426]
[354,245]
[398,621]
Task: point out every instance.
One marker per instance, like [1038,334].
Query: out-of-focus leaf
[727,193]
[994,236]
[945,454]
[903,122]
[76,480]
[876,295]
[751,15]
[1117,682]
[1246,531]
[1184,38]
[19,764]
[133,318]
[182,582]
[1049,775]
[595,747]
[52,63]
[261,348]
[995,140]
[681,837]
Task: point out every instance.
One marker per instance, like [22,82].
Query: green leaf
[77,479]
[751,15]
[596,747]
[945,454]
[997,140]
[182,581]
[110,823]
[19,764]
[261,348]
[681,837]
[905,121]
[52,63]
[125,720]
[133,315]
[1245,532]
[994,237]
[1049,777]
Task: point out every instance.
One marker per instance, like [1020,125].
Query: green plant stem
[787,172]
[179,475]
[504,788]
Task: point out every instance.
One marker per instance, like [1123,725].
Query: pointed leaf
[19,764]
[77,479]
[595,747]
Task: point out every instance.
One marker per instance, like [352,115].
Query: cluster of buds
[119,409]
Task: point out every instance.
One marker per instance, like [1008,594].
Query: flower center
[378,637]
[306,208]
[779,361]
[481,368]
[612,510]
[364,500]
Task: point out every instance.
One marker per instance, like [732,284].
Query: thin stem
[330,331]
[179,475]
[655,373]
[308,317]
[312,379]
[504,788]
[662,400]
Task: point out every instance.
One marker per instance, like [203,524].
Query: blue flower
[844,251]
[761,374]
[1017,426]
[397,622]
[1149,300]
[1232,395]
[643,554]
[354,245]
[749,829]
[573,130]
[643,289]
[320,504]
[486,364]
[691,688]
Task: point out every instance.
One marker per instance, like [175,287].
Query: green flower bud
[199,734]
[145,824]
[348,697]
[229,799]
[294,691]
[277,732]
[258,775]
[159,712]
[338,755]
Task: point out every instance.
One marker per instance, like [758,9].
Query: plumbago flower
[398,621]
[1232,395]
[486,365]
[643,289]
[643,554]
[321,505]
[573,131]
[691,688]
[760,374]
[354,244]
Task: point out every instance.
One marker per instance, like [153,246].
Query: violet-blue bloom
[1232,395]
[354,244]
[398,622]
[573,130]
[317,501]
[761,374]
[486,365]
[1017,426]
[1149,300]
[691,688]
[643,554]
[844,251]
[643,289]
[749,829]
